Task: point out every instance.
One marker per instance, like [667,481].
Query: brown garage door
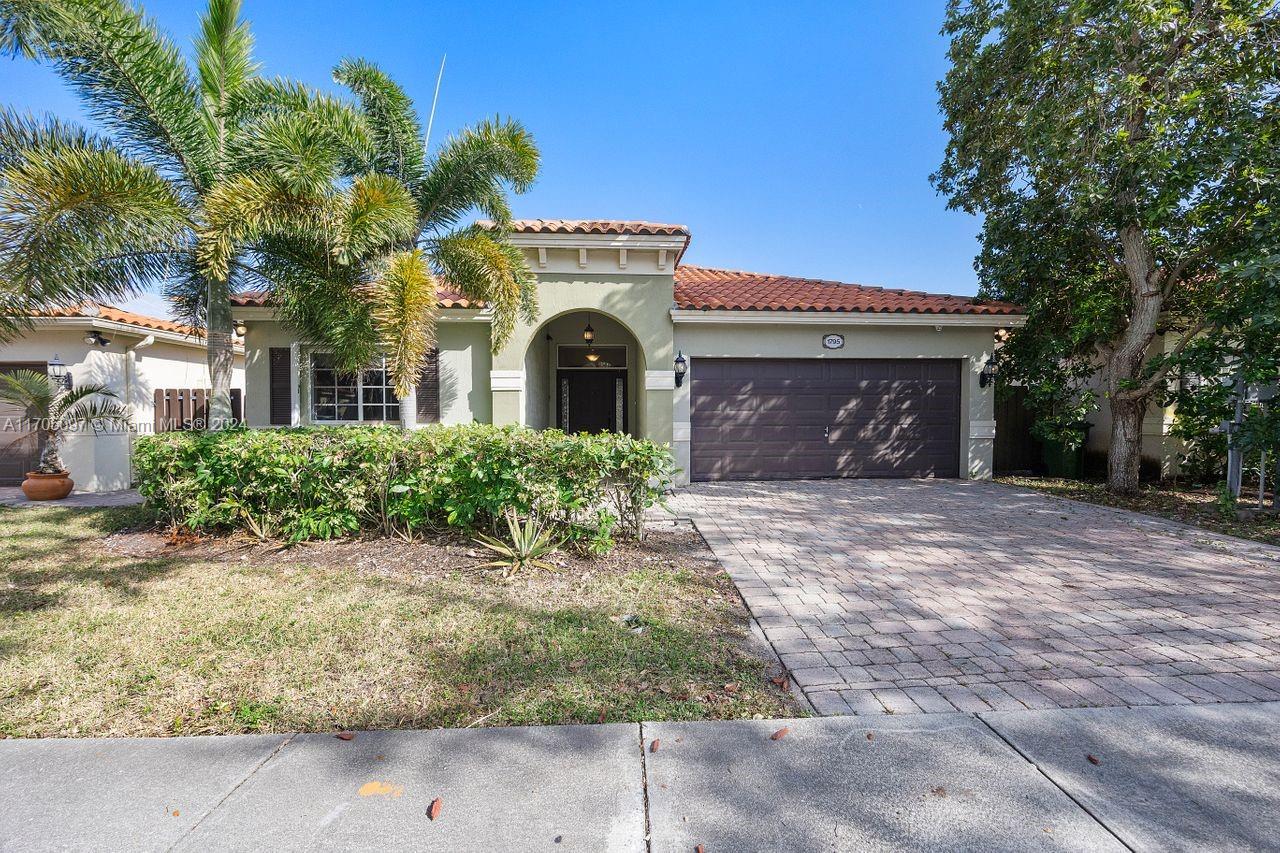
[19,451]
[774,419]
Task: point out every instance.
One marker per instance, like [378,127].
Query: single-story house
[1161,451]
[135,356]
[745,375]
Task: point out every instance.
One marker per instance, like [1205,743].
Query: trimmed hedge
[327,482]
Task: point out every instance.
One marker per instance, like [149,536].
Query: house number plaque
[833,342]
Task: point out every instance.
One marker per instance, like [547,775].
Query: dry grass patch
[1190,505]
[109,628]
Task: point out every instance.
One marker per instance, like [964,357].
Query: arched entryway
[582,385]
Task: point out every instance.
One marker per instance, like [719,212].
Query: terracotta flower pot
[47,487]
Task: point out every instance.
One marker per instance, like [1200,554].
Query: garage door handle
[826,432]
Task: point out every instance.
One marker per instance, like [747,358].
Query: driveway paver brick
[906,596]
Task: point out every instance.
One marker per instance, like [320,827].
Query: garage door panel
[784,419]
[19,442]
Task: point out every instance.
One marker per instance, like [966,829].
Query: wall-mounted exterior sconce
[239,328]
[682,367]
[989,373]
[58,372]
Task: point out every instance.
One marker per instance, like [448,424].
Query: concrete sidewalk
[1159,778]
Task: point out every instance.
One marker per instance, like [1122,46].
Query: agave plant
[56,410]
[530,542]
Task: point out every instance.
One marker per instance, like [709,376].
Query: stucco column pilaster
[658,402]
[507,387]
[979,427]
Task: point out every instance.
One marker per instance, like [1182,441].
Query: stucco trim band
[506,380]
[660,380]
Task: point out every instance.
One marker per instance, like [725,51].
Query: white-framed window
[342,397]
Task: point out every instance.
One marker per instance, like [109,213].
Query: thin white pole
[426,144]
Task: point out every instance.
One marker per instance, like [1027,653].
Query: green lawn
[130,634]
[1189,505]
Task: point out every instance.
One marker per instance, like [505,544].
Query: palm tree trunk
[51,455]
[218,327]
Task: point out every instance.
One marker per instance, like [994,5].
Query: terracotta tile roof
[119,315]
[263,299]
[593,226]
[702,288]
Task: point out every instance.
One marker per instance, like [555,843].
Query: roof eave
[116,327]
[748,316]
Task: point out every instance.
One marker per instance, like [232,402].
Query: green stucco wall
[641,304]
[465,363]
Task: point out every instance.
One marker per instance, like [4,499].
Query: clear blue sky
[790,137]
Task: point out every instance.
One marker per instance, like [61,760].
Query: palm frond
[71,396]
[377,213]
[22,135]
[19,35]
[187,288]
[84,223]
[397,132]
[131,78]
[403,303]
[302,153]
[347,126]
[320,301]
[92,413]
[244,208]
[33,392]
[224,63]
[474,170]
[486,268]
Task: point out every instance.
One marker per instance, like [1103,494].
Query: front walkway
[904,596]
[1191,778]
[13,496]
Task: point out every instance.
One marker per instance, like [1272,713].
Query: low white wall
[100,462]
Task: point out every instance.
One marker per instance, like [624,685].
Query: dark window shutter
[429,390]
[281,397]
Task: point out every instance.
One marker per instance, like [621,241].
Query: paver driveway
[936,595]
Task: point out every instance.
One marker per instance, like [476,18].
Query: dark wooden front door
[19,443]
[773,419]
[591,400]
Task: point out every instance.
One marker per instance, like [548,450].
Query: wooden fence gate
[188,408]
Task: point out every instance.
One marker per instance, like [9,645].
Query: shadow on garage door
[775,419]
[19,447]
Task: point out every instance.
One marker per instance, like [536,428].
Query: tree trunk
[1125,457]
[218,327]
[1129,403]
[51,456]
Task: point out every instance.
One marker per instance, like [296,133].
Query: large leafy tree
[1124,155]
[370,285]
[86,216]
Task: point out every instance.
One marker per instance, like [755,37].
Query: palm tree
[89,217]
[400,235]
[56,410]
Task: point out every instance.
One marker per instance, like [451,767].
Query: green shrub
[322,483]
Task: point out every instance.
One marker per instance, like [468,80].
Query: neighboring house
[786,377]
[1161,451]
[104,345]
